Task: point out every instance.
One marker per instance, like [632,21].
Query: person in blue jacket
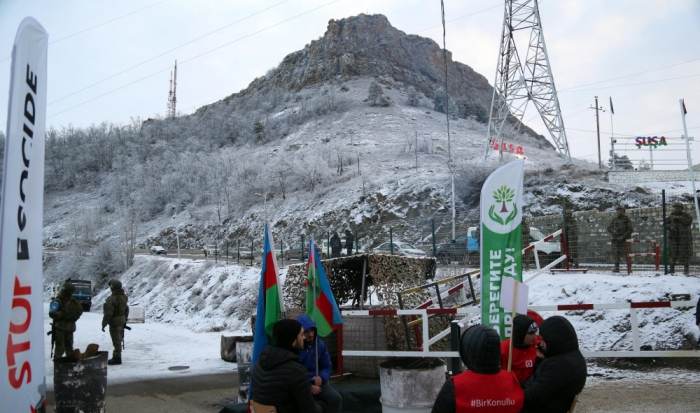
[320,387]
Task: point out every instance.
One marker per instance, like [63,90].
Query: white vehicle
[245,253]
[547,251]
[399,248]
[158,250]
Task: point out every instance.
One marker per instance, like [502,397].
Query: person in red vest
[484,387]
[524,347]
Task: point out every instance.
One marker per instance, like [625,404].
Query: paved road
[198,394]
[208,394]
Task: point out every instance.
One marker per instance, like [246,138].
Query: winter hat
[480,349]
[522,325]
[285,332]
[559,335]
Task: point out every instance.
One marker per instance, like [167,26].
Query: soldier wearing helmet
[65,311]
[680,240]
[116,312]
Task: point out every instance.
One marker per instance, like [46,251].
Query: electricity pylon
[516,85]
[171,112]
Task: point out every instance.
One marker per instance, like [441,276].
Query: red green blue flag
[270,303]
[320,303]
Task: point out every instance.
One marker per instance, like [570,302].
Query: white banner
[23,381]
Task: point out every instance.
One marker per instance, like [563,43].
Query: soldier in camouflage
[65,311]
[116,312]
[620,228]
[680,240]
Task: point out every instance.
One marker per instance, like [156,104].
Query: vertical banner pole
[501,236]
[23,378]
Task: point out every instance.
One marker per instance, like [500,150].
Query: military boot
[617,268]
[114,360]
[672,269]
[686,269]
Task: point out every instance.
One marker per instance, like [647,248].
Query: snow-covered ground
[153,350]
[190,304]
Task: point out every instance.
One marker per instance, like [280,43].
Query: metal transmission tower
[515,86]
[172,95]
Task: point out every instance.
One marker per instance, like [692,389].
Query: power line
[166,52]
[96,26]
[635,84]
[195,57]
[227,44]
[630,75]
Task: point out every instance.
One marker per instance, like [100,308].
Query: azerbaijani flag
[320,303]
[270,303]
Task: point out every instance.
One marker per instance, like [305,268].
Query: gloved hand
[103,329]
[621,238]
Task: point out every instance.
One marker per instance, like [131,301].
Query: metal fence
[656,238]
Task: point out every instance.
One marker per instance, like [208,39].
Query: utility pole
[597,126]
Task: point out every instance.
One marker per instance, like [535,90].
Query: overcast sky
[111,61]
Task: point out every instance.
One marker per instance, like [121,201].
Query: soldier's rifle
[52,333]
[126,327]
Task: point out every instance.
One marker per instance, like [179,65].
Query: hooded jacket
[561,375]
[524,357]
[280,380]
[307,356]
[484,387]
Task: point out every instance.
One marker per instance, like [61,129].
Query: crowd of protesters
[545,373]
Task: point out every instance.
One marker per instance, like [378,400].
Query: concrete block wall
[594,239]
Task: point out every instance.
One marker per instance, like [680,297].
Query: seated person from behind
[484,387]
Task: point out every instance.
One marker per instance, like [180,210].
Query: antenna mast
[515,86]
[172,94]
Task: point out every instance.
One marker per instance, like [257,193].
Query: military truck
[83,292]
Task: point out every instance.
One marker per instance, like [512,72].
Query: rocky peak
[368,45]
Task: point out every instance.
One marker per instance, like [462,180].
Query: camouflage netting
[389,274]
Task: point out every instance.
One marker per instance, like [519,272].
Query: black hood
[480,349]
[521,323]
[273,356]
[559,335]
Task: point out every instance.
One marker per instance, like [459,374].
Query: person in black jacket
[349,241]
[484,386]
[336,245]
[561,375]
[278,378]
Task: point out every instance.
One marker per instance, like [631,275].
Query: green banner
[501,241]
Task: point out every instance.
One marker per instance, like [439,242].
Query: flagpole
[690,161]
[312,261]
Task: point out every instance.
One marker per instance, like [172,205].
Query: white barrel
[410,385]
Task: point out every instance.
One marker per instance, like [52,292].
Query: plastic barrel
[410,385]
[81,386]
